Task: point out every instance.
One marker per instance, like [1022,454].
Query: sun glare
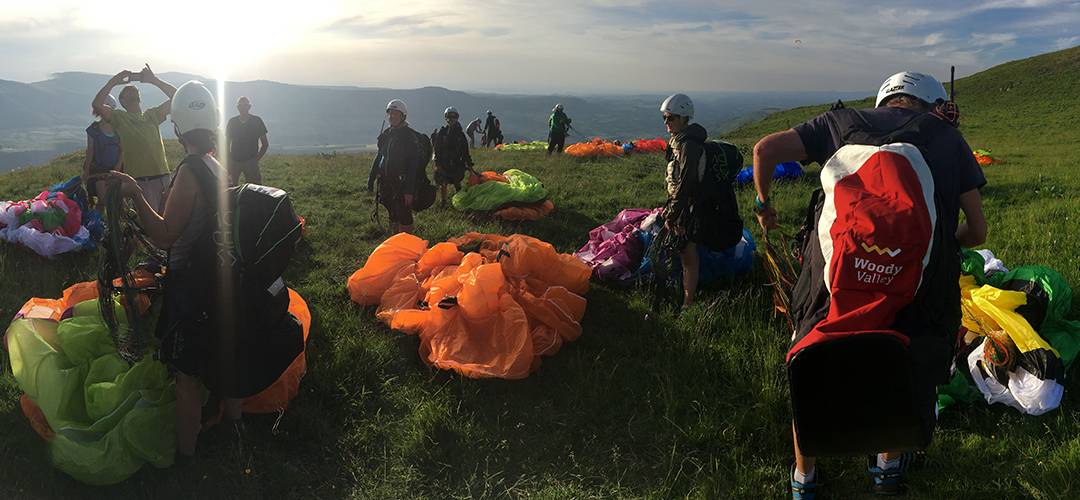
[214,37]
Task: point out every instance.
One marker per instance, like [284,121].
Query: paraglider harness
[123,235]
[864,349]
[233,285]
[712,219]
[425,191]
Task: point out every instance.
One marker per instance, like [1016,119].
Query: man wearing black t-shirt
[246,136]
[957,178]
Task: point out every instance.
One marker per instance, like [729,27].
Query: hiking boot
[888,482]
[803,491]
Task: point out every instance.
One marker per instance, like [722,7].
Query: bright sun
[215,37]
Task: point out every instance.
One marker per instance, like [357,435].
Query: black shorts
[449,174]
[394,201]
[185,328]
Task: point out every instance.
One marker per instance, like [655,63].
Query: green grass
[690,406]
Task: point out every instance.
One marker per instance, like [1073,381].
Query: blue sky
[553,46]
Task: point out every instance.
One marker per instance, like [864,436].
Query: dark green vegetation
[671,406]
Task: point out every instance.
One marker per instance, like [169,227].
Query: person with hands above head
[194,341]
[144,152]
[902,107]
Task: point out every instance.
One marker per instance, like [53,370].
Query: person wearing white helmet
[246,137]
[189,217]
[909,108]
[103,152]
[395,167]
[452,156]
[558,126]
[144,151]
[686,164]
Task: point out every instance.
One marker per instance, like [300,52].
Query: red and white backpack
[871,250]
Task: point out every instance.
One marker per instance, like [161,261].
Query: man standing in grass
[914,107]
[395,167]
[685,169]
[143,152]
[558,125]
[246,135]
[451,154]
[493,135]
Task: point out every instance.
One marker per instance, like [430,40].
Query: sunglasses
[670,118]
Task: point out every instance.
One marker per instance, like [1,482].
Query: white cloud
[989,39]
[566,46]
[1067,42]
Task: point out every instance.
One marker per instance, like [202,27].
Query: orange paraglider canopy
[596,148]
[483,305]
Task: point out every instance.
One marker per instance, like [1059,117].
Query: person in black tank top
[188,345]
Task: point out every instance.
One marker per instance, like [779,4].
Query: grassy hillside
[692,405]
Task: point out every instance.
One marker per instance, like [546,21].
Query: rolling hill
[50,115]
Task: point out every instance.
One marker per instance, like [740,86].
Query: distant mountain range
[42,119]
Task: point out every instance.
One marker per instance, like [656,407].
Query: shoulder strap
[203,177]
[856,130]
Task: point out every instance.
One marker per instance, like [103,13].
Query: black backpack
[259,239]
[251,252]
[424,196]
[721,225]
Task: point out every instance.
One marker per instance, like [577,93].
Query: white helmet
[194,108]
[919,85]
[398,105]
[558,107]
[450,110]
[678,104]
[489,112]
[111,101]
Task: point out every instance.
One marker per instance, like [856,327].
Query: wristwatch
[760,206]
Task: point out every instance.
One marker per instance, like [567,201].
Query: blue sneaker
[803,491]
[888,482]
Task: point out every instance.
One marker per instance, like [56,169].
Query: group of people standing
[911,107]
[126,138]
[125,150]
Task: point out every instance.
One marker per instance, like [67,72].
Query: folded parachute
[596,148]
[57,221]
[103,418]
[617,252]
[523,146]
[512,195]
[657,145]
[985,157]
[482,305]
[1018,345]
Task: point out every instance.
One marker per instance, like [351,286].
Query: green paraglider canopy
[521,188]
[109,417]
[1048,301]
